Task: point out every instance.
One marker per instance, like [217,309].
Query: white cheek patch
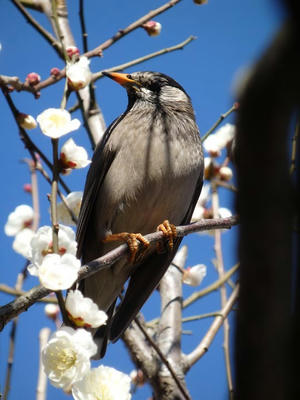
[170,94]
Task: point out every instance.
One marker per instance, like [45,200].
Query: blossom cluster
[66,357]
[66,360]
[213,145]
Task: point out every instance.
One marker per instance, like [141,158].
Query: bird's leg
[132,241]
[169,231]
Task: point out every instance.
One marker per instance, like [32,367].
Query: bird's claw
[170,233]
[132,240]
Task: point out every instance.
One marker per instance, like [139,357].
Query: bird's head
[153,87]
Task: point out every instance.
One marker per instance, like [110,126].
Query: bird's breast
[153,175]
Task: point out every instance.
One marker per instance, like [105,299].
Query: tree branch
[11,310]
[169,331]
[33,22]
[203,346]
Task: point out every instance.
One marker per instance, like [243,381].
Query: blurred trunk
[267,350]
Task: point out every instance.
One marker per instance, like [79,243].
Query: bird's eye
[154,87]
[129,77]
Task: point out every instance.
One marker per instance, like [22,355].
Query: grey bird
[148,168]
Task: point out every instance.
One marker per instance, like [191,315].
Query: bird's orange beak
[122,79]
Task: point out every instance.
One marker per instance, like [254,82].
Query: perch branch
[11,310]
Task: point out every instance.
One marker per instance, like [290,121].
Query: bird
[146,172]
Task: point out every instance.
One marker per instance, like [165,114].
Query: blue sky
[230,35]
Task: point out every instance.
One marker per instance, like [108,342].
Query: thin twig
[50,39]
[221,272]
[226,185]
[54,17]
[82,25]
[140,60]
[53,203]
[85,116]
[42,377]
[294,148]
[202,316]
[164,360]
[29,144]
[34,192]
[219,121]
[211,288]
[17,293]
[54,220]
[203,346]
[137,24]
[11,351]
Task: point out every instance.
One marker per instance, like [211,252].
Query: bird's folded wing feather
[100,165]
[146,277]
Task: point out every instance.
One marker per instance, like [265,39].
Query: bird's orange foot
[170,233]
[131,239]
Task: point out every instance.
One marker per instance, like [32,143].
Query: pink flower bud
[210,168]
[33,78]
[27,188]
[26,121]
[137,377]
[37,157]
[208,213]
[153,28]
[72,51]
[52,311]
[55,72]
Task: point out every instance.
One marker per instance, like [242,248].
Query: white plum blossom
[73,156]
[193,276]
[20,218]
[103,383]
[83,311]
[217,141]
[201,203]
[66,356]
[78,73]
[26,121]
[225,173]
[56,272]
[73,201]
[224,212]
[22,243]
[42,245]
[56,122]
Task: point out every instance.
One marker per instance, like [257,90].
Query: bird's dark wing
[102,333]
[100,165]
[147,276]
